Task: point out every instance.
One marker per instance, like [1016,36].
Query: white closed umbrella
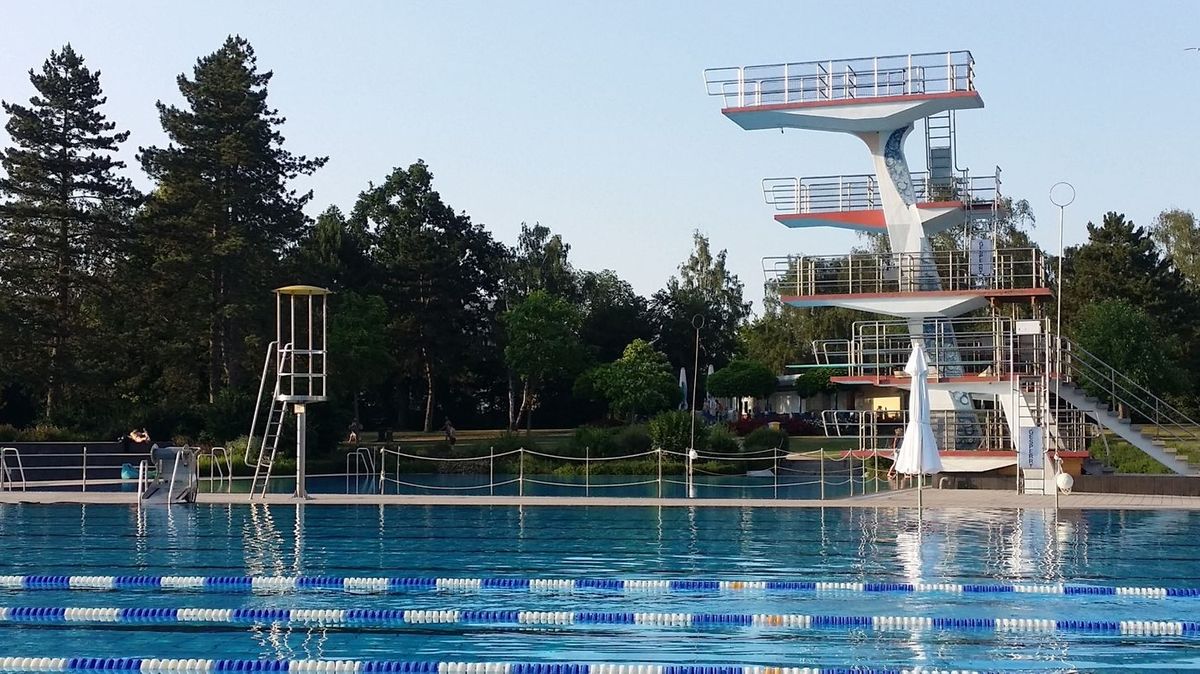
[918,453]
[683,389]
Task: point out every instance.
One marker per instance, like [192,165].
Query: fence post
[775,470]
[658,450]
[822,450]
[491,471]
[587,471]
[521,473]
[84,487]
[850,457]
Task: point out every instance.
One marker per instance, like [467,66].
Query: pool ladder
[10,455]
[360,465]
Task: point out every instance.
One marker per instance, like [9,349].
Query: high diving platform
[849,95]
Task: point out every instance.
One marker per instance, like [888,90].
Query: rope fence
[808,474]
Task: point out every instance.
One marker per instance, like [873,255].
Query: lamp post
[697,323]
[1062,194]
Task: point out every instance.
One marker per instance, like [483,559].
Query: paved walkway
[932,498]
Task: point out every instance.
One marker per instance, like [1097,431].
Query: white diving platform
[854,95]
[854,201]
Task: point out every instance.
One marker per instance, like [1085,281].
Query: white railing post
[587,471]
[822,452]
[829,81]
[491,471]
[951,85]
[658,451]
[84,487]
[908,77]
[775,469]
[785,84]
[521,472]
[875,78]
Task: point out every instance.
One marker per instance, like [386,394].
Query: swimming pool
[766,556]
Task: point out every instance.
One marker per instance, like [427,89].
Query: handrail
[143,479]
[262,384]
[822,194]
[362,459]
[1084,367]
[842,79]
[956,270]
[6,470]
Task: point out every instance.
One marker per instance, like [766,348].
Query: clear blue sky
[591,117]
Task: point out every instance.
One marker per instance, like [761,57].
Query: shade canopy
[918,453]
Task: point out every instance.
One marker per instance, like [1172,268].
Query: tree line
[122,309]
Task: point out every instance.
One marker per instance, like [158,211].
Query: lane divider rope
[231,584]
[207,666]
[384,617]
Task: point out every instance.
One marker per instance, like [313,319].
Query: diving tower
[975,307]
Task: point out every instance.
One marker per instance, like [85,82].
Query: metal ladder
[263,457]
[6,471]
[940,160]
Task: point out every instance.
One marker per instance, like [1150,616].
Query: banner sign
[1029,448]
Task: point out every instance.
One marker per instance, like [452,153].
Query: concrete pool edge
[933,499]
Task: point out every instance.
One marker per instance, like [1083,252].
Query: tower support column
[301,449]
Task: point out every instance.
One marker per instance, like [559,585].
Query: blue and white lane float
[695,621]
[278,584]
[206,666]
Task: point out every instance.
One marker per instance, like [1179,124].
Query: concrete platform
[933,498]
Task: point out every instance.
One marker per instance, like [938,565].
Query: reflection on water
[829,544]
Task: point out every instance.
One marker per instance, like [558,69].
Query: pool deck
[933,498]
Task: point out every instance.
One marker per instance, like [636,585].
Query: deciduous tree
[541,345]
[742,377]
[440,275]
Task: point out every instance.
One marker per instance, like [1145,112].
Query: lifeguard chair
[297,362]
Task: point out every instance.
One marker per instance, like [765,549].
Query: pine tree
[222,214]
[63,221]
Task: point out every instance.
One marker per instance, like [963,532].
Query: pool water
[1104,548]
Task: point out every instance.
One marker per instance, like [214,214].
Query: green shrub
[633,439]
[765,438]
[671,431]
[511,442]
[39,433]
[722,441]
[598,441]
[1125,458]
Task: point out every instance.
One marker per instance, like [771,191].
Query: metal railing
[11,455]
[220,463]
[360,464]
[980,429]
[842,80]
[984,347]
[1128,398]
[828,194]
[954,270]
